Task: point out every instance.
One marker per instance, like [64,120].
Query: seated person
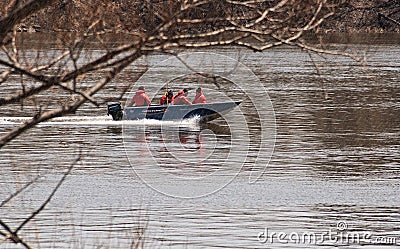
[140,98]
[167,98]
[199,98]
[179,93]
[181,98]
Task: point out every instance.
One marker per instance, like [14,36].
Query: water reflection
[182,150]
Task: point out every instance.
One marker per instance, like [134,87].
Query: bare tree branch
[15,16]
[262,25]
[13,235]
[4,75]
[49,81]
[255,24]
[68,108]
[18,191]
[33,215]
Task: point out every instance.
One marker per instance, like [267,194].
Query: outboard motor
[115,110]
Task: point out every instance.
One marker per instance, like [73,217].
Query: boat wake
[99,120]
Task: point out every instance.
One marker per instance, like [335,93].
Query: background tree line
[130,16]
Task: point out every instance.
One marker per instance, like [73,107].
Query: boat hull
[206,112]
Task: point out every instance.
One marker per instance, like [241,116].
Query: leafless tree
[255,24]
[166,27]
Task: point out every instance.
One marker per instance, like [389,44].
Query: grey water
[313,150]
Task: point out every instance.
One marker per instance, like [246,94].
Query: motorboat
[205,112]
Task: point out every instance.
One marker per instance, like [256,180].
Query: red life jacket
[181,100]
[179,93]
[165,100]
[140,99]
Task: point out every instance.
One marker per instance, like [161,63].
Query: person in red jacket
[199,98]
[167,98]
[181,98]
[140,98]
[179,93]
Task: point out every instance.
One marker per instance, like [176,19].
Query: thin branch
[51,63]
[49,197]
[266,12]
[6,227]
[5,75]
[14,17]
[302,45]
[314,63]
[183,44]
[19,191]
[13,235]
[76,91]
[55,80]
[68,108]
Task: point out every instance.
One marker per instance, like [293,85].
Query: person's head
[185,91]
[141,88]
[170,94]
[199,89]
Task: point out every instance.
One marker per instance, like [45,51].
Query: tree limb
[8,22]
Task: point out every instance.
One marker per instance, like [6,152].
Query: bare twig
[4,75]
[19,191]
[49,81]
[33,215]
[13,235]
[68,108]
[15,16]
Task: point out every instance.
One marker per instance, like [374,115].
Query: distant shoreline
[366,38]
[350,17]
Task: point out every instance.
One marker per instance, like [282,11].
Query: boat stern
[115,110]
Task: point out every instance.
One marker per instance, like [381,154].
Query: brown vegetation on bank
[351,16]
[355,16]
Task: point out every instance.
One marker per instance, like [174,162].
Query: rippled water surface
[326,159]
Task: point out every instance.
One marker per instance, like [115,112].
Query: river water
[309,159]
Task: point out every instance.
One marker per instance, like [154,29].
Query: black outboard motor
[115,110]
